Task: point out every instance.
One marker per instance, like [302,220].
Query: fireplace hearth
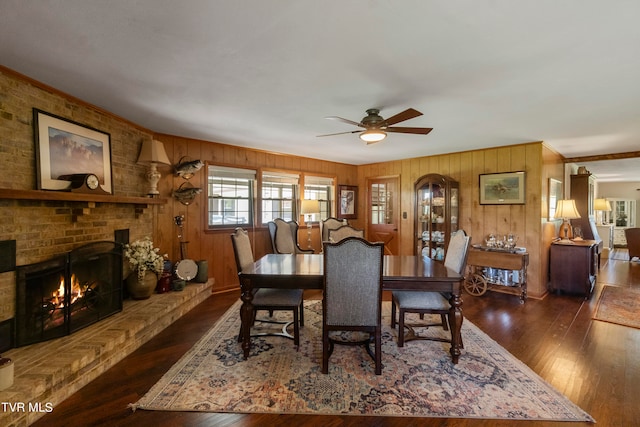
[62,295]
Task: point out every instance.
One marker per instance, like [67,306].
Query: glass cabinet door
[622,216]
[436,214]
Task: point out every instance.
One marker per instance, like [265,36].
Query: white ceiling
[265,73]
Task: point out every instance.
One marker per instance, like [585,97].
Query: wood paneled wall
[477,220]
[528,221]
[215,246]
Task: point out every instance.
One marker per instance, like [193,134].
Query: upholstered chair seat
[425,302]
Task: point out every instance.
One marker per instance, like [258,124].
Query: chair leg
[401,328]
[378,349]
[393,313]
[296,329]
[445,323]
[302,313]
[325,352]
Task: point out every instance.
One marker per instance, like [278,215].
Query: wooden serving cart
[497,269]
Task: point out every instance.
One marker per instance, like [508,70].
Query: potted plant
[147,264]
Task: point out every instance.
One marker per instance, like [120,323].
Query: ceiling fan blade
[421,131]
[407,114]
[340,133]
[347,121]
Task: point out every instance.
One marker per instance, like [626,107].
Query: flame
[57,298]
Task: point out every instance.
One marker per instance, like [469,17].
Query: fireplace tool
[186,269]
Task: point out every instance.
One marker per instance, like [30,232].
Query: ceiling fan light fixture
[373,135]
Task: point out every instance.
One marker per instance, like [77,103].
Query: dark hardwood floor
[593,363]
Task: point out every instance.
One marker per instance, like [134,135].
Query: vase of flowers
[147,264]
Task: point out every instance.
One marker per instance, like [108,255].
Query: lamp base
[566,231]
[154,177]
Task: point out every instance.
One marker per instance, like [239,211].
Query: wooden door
[383,212]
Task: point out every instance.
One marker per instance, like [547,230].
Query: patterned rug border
[153,399]
[607,292]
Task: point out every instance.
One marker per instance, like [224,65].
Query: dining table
[306,271]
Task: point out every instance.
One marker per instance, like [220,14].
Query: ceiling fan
[376,128]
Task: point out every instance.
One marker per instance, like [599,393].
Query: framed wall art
[502,188]
[555,194]
[348,198]
[64,147]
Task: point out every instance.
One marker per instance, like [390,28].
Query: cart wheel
[476,285]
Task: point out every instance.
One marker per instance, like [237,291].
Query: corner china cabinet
[436,216]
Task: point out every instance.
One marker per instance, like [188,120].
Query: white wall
[620,190]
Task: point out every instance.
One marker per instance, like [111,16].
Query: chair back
[284,236]
[343,232]
[327,225]
[633,241]
[456,257]
[352,283]
[242,249]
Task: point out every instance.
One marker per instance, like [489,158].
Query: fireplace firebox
[59,296]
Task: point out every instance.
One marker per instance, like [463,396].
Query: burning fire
[76,292]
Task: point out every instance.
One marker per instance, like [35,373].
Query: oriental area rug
[418,380]
[619,305]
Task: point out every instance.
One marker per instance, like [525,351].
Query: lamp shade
[153,152]
[310,207]
[601,205]
[566,209]
[373,135]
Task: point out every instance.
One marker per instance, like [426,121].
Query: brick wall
[44,228]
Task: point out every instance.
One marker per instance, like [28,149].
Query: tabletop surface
[396,267]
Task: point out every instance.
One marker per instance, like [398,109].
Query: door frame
[396,205]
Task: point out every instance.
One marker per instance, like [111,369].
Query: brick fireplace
[69,292]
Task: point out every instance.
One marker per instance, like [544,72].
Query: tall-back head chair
[352,297]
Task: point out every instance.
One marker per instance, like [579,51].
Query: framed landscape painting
[64,147]
[502,188]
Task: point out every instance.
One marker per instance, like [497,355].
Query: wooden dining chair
[343,232]
[266,298]
[329,224]
[284,237]
[352,296]
[425,302]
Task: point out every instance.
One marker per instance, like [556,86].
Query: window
[279,196]
[320,188]
[230,196]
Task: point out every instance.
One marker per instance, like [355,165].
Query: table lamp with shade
[153,153]
[566,210]
[601,206]
[308,209]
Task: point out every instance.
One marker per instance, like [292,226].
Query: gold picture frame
[502,188]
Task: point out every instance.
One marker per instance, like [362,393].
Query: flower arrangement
[143,256]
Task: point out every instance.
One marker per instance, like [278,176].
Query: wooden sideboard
[573,267]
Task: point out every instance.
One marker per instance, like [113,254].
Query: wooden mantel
[66,196]
[139,203]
